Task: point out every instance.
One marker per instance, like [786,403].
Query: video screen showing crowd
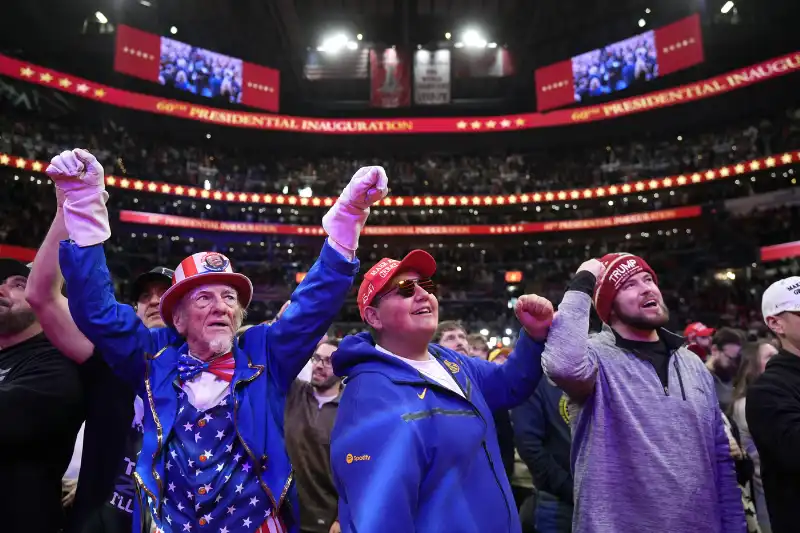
[194,420]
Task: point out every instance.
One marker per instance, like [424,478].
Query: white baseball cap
[781,296]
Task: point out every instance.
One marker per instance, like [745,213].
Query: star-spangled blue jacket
[268,358]
[411,455]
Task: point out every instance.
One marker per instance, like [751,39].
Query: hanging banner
[157,219]
[682,94]
[778,252]
[482,63]
[390,86]
[432,77]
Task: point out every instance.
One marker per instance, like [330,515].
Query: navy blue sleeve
[507,385]
[292,339]
[115,330]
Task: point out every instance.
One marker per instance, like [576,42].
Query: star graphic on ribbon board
[27,72]
[21,163]
[64,82]
[461,125]
[99,93]
[4,159]
[46,77]
[82,88]
[505,123]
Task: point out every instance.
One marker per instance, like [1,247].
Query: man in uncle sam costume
[213,455]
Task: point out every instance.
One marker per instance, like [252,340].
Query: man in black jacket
[541,427]
[40,413]
[773,408]
[104,499]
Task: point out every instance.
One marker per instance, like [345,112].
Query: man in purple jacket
[650,453]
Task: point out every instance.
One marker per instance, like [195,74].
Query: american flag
[344,64]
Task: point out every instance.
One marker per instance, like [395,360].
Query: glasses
[406,287]
[325,362]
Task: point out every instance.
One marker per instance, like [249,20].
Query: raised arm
[318,299]
[567,358]
[507,385]
[43,293]
[113,328]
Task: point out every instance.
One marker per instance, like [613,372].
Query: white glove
[343,222]
[81,190]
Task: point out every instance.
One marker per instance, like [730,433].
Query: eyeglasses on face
[406,287]
[324,361]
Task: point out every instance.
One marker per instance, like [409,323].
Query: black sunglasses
[405,288]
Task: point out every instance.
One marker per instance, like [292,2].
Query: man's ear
[372,318]
[776,325]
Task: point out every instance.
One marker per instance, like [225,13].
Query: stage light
[100,17]
[447,35]
[727,7]
[173,30]
[334,43]
[473,39]
[642,23]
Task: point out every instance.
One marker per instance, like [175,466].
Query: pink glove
[344,221]
[80,189]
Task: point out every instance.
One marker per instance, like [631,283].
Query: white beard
[220,345]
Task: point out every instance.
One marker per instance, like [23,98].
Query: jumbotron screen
[620,65]
[196,70]
[200,71]
[615,67]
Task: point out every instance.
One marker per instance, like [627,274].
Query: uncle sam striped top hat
[203,268]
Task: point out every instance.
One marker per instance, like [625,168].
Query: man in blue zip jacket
[213,455]
[414,447]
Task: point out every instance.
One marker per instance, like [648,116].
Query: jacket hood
[357,354]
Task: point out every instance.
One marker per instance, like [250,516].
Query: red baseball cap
[698,329]
[384,270]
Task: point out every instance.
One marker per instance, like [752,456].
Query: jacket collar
[672,340]
[310,390]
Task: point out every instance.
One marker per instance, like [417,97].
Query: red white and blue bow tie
[222,367]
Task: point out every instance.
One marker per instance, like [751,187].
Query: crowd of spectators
[235,169]
[471,271]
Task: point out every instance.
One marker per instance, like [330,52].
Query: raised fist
[76,173]
[343,222]
[367,186]
[81,192]
[594,266]
[535,313]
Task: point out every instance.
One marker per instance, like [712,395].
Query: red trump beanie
[619,268]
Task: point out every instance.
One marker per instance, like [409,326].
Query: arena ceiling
[278,33]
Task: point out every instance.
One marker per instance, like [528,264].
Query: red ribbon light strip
[174,221]
[645,185]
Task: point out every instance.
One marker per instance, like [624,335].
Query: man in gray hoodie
[650,453]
